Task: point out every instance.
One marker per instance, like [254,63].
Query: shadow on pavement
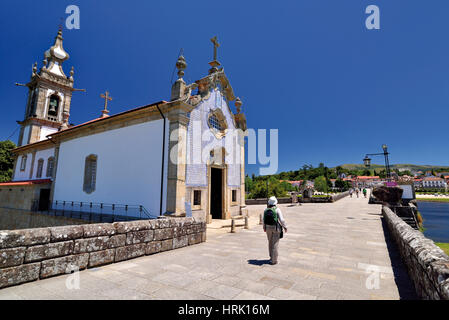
[405,285]
[258,262]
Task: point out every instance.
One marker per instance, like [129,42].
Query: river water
[436,220]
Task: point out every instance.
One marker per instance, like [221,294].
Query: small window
[23,164]
[50,166]
[40,166]
[90,174]
[214,122]
[197,197]
[217,123]
[234,195]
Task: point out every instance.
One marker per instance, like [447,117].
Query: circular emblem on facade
[217,123]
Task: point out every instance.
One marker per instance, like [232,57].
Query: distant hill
[411,167]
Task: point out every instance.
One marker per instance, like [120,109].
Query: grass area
[444,246]
[433,199]
[432,193]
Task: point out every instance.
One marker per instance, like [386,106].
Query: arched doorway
[216,193]
[217,178]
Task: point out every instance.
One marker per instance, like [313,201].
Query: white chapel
[183,156]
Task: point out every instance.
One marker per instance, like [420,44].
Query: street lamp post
[267,191]
[367,160]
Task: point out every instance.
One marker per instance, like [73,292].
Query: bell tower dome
[49,96]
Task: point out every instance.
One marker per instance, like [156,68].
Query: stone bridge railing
[427,264]
[289,199]
[340,196]
[32,254]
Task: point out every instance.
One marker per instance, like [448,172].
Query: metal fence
[98,212]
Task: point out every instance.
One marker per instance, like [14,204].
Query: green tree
[382,174]
[6,160]
[342,185]
[366,172]
[320,184]
[275,188]
[249,184]
[339,170]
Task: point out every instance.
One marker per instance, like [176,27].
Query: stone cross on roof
[214,64]
[106,98]
[216,45]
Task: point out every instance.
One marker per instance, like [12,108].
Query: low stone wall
[328,199]
[264,201]
[315,200]
[14,219]
[300,199]
[32,254]
[340,196]
[427,264]
[21,197]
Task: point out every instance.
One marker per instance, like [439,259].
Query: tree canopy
[320,184]
[6,160]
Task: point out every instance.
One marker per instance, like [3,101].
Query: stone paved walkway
[329,252]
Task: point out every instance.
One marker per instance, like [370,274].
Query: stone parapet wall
[21,197]
[427,264]
[264,201]
[340,196]
[32,254]
[14,219]
[308,200]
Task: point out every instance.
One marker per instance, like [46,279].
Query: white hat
[272,201]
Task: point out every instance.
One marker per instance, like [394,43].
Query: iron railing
[98,212]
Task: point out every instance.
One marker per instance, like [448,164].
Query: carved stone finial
[238,104]
[72,72]
[65,121]
[45,62]
[34,68]
[178,89]
[181,65]
[55,56]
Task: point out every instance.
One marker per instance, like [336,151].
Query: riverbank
[435,199]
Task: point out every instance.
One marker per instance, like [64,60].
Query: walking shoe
[273,263]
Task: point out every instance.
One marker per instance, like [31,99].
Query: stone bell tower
[49,96]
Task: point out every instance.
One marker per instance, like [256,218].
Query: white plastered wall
[45,131]
[129,163]
[20,175]
[44,155]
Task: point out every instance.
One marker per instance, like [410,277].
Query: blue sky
[309,68]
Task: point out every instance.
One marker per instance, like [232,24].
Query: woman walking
[274,225]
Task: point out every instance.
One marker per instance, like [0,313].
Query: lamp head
[367,161]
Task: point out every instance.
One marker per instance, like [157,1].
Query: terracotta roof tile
[25,183]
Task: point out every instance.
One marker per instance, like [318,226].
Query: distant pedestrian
[357,192]
[351,191]
[364,192]
[274,225]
